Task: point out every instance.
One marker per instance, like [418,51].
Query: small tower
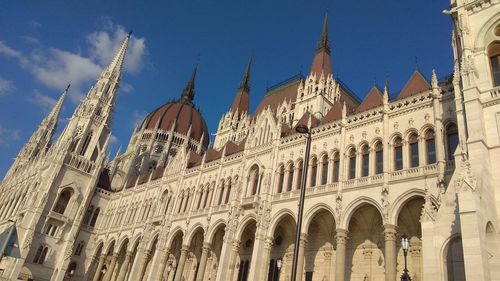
[233,124]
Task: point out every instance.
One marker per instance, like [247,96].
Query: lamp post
[301,129]
[405,244]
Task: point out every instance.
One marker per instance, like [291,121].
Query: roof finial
[67,87]
[188,93]
[129,33]
[323,42]
[245,83]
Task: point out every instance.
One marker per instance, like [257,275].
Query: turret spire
[321,62]
[323,44]
[188,93]
[245,82]
[117,63]
[241,101]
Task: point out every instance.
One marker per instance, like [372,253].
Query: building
[172,207]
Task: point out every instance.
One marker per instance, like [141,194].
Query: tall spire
[117,63]
[323,44]
[245,82]
[188,92]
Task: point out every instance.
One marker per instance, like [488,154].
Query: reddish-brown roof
[285,130]
[321,63]
[144,177]
[232,148]
[213,154]
[334,114]
[158,172]
[240,103]
[416,84]
[372,100]
[131,181]
[277,96]
[304,120]
[184,115]
[194,159]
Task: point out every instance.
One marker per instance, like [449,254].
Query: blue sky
[46,44]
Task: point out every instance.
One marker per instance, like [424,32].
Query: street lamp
[405,244]
[301,129]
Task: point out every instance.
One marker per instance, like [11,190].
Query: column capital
[184,248]
[341,236]
[128,254]
[390,232]
[206,247]
[303,237]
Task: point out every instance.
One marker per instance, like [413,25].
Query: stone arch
[393,136]
[278,217]
[354,206]
[480,41]
[426,127]
[122,241]
[311,213]
[401,200]
[154,236]
[245,221]
[175,232]
[445,254]
[408,132]
[99,248]
[194,230]
[215,227]
[361,144]
[110,246]
[332,153]
[136,240]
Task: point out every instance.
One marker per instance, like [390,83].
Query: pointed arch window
[228,192]
[379,158]
[62,202]
[430,146]
[88,214]
[352,163]
[451,139]
[365,161]
[291,170]
[281,179]
[314,171]
[86,143]
[41,255]
[324,169]
[79,248]
[413,145]
[494,56]
[398,154]
[336,166]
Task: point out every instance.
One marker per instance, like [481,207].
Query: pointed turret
[117,63]
[322,61]
[241,101]
[188,92]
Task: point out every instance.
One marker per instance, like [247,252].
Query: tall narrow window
[352,163]
[398,154]
[291,169]
[281,179]
[494,55]
[85,144]
[88,214]
[430,146]
[365,161]
[228,192]
[336,166]
[94,217]
[299,174]
[324,169]
[314,171]
[62,202]
[451,139]
[379,158]
[413,143]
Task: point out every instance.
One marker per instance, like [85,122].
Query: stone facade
[171,208]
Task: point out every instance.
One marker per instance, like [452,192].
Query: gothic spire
[245,82]
[323,44]
[188,92]
[241,101]
[117,63]
[321,62]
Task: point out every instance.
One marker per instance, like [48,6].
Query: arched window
[291,170]
[94,217]
[379,158]
[228,192]
[79,248]
[413,146]
[300,166]
[494,55]
[365,161]
[451,139]
[336,166]
[62,202]
[324,169]
[455,269]
[40,255]
[254,179]
[430,146]
[352,163]
[88,214]
[85,144]
[281,178]
[398,154]
[314,171]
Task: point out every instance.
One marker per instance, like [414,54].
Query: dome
[183,115]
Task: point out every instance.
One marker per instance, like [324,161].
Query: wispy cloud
[7,136]
[43,101]
[34,24]
[137,117]
[6,86]
[54,67]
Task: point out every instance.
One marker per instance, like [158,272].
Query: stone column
[341,252]
[111,268]
[390,252]
[100,264]
[181,263]
[143,264]
[124,267]
[268,244]
[163,263]
[203,261]
[301,259]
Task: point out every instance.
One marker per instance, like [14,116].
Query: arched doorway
[282,249]
[215,252]
[454,260]
[320,253]
[247,242]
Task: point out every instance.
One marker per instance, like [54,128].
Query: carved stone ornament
[466,181]
[69,252]
[396,126]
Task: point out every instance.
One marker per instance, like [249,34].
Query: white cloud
[113,140]
[8,135]
[43,101]
[6,86]
[138,117]
[34,24]
[55,68]
[126,88]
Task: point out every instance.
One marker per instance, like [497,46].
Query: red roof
[372,100]
[184,115]
[131,181]
[232,148]
[158,172]
[334,114]
[213,154]
[416,84]
[194,159]
[240,103]
[304,120]
[321,63]
[285,130]
[276,97]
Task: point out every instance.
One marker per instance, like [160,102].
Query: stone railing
[80,163]
[413,172]
[450,165]
[495,92]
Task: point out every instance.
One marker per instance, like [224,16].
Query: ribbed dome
[184,115]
